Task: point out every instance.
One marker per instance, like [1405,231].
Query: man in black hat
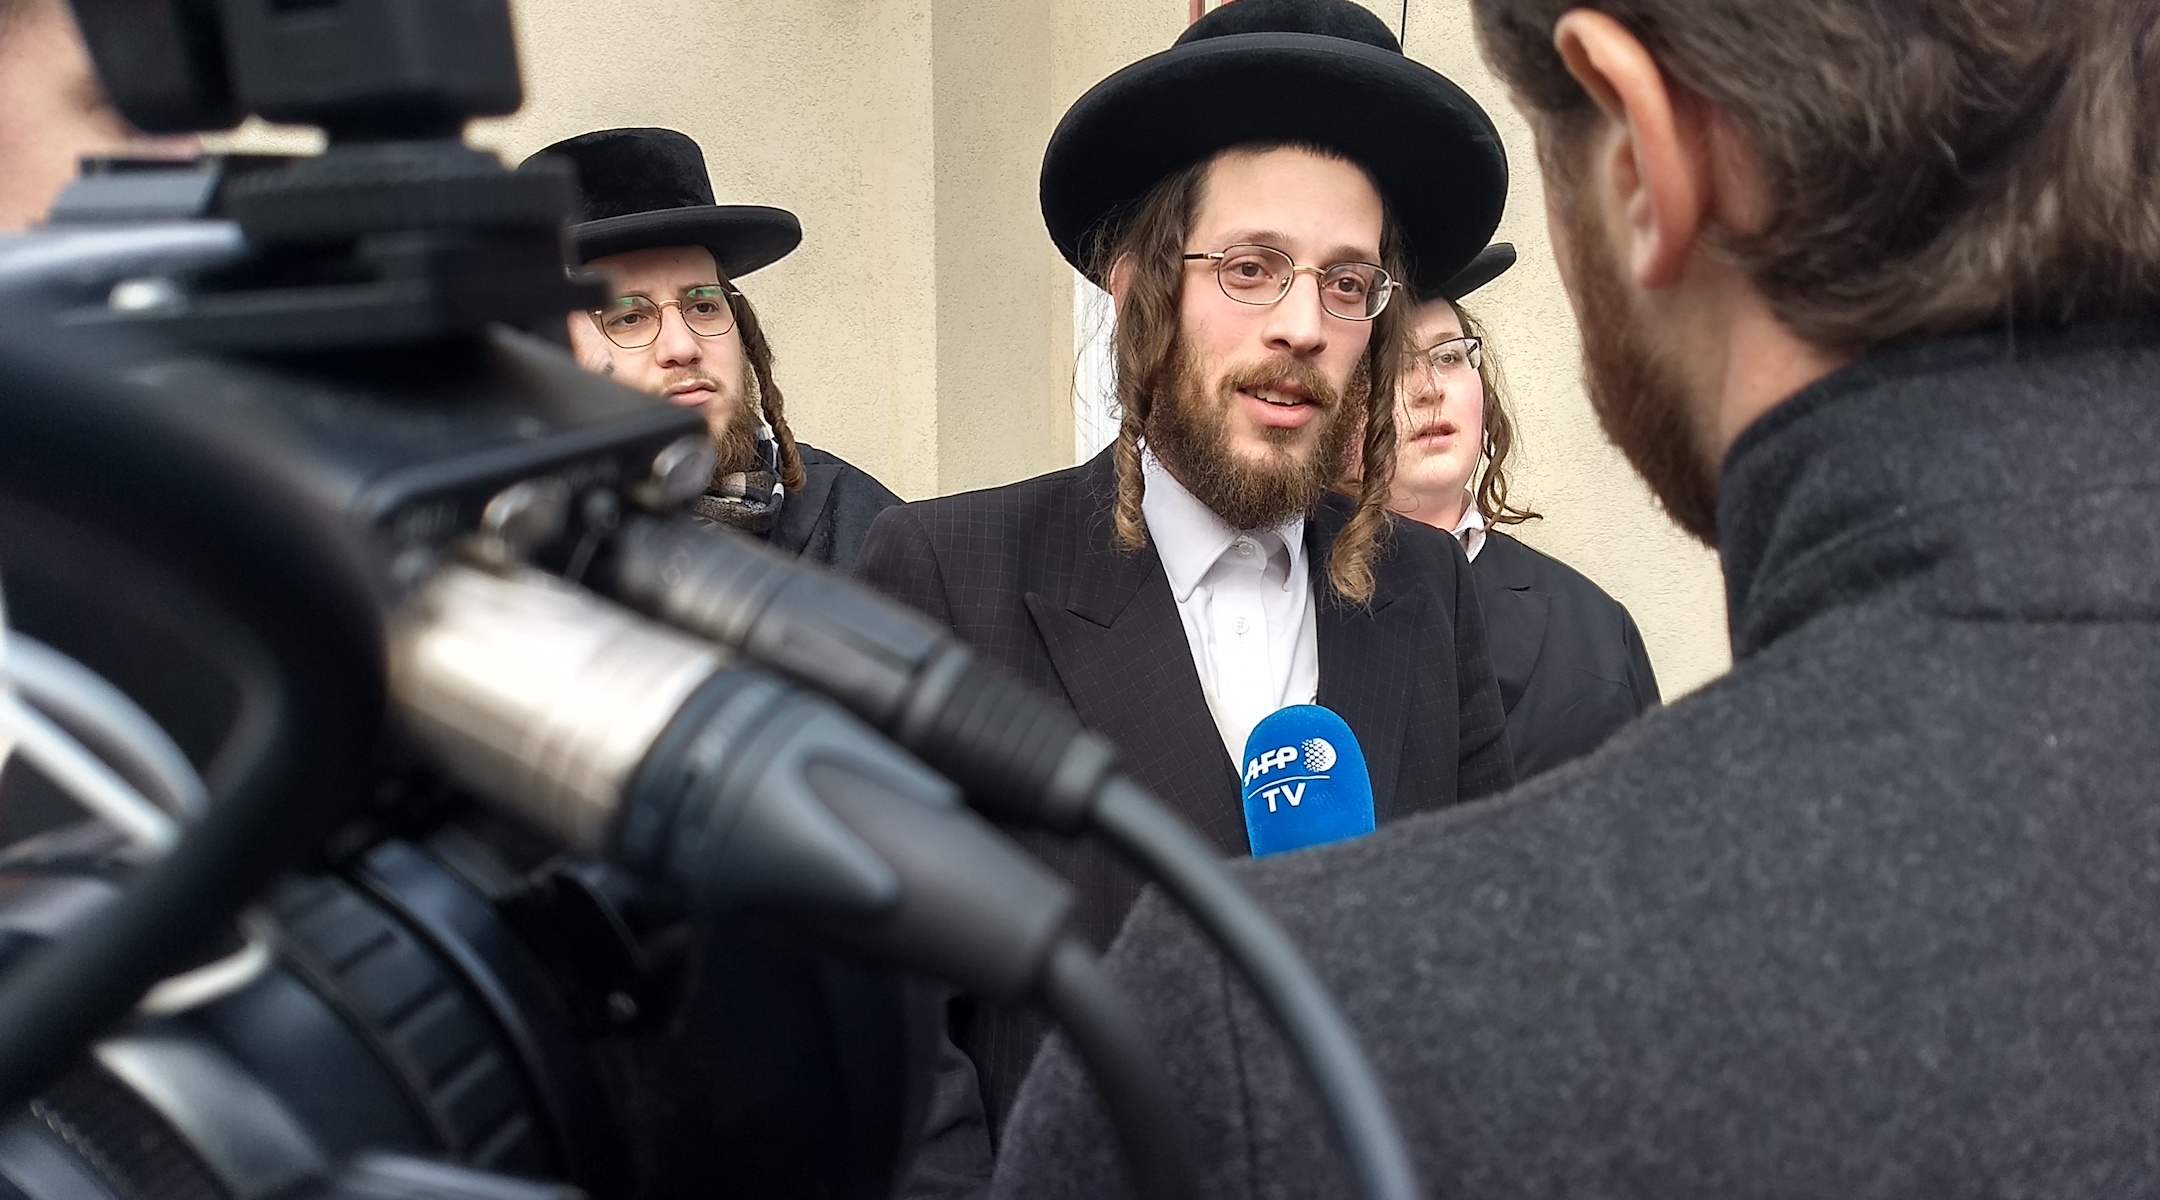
[679,328]
[1247,199]
[1572,665]
[1863,288]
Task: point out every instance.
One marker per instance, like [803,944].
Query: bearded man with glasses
[679,328]
[1201,573]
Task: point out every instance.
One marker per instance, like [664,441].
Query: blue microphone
[1305,781]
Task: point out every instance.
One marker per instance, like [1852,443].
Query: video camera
[468,818]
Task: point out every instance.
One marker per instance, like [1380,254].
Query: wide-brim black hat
[1325,72]
[1491,263]
[643,188]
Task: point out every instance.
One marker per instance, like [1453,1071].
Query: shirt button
[1244,547]
[1242,625]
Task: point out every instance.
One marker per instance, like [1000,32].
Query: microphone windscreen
[1305,780]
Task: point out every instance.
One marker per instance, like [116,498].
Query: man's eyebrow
[1276,239]
[695,287]
[1255,237]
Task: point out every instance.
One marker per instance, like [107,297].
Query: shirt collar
[1190,538]
[1470,531]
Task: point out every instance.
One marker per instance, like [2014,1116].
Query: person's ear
[1651,158]
[1121,273]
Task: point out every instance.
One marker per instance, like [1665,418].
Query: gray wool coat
[1877,914]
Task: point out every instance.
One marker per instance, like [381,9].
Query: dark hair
[759,353]
[1935,165]
[1152,237]
[1491,497]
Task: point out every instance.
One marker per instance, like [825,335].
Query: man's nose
[1297,323]
[1419,383]
[676,345]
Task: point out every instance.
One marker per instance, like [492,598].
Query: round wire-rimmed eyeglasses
[633,322]
[1456,354]
[1262,275]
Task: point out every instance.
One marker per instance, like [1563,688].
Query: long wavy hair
[759,353]
[1148,241]
[1491,493]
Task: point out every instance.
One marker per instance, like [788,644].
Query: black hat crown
[624,171]
[639,189]
[1324,18]
[1325,72]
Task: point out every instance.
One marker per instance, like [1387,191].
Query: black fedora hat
[1326,72]
[642,188]
[1491,263]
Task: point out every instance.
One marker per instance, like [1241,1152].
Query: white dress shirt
[1246,601]
[1470,531]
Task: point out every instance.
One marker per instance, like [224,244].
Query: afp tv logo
[1315,755]
[1305,781]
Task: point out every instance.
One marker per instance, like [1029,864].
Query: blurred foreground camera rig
[467,823]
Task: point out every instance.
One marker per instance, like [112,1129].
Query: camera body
[247,405]
[443,999]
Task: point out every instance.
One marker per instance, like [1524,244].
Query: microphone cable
[1021,759]
[741,793]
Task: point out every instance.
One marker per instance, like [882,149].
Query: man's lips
[1279,406]
[689,395]
[1434,435]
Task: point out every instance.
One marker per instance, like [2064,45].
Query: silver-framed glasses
[1262,275]
[633,322]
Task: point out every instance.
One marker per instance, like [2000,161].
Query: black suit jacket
[1571,663]
[1030,576]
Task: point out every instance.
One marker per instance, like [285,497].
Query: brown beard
[735,446]
[1639,398]
[1188,431]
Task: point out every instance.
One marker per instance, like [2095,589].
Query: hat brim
[1491,263]
[742,237]
[1433,154]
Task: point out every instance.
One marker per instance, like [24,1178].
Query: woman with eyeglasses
[1571,663]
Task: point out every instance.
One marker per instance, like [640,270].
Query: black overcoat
[1571,663]
[828,521]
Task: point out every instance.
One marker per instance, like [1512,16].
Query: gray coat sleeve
[1059,1146]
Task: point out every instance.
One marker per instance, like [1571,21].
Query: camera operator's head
[1742,196]
[53,111]
[677,325]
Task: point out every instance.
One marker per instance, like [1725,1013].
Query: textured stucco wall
[925,328]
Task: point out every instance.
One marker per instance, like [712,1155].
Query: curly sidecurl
[759,353]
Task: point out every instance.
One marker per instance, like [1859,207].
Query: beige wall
[924,330]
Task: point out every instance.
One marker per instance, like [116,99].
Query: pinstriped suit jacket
[1030,576]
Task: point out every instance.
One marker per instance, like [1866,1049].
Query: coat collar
[1119,649]
[1910,477]
[801,511]
[1361,648]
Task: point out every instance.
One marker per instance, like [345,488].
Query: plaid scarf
[747,500]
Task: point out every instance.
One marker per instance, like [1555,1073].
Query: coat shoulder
[1029,509]
[1516,564]
[860,486]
